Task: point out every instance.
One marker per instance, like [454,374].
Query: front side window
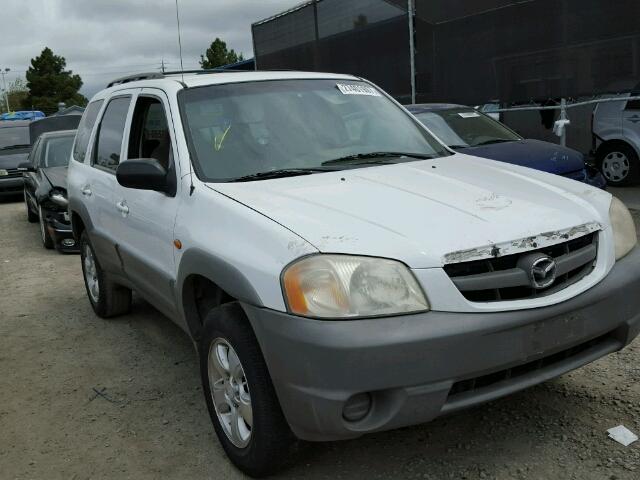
[149,136]
[110,133]
[464,127]
[14,137]
[84,130]
[57,151]
[242,129]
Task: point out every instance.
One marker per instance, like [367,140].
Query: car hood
[428,213]
[13,159]
[57,176]
[537,154]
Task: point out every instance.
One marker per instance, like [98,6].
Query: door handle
[86,191]
[123,208]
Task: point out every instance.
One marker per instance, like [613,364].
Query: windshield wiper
[375,158]
[494,140]
[14,147]
[280,173]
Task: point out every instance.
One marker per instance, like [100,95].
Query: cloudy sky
[104,39]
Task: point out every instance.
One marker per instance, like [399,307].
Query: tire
[619,164]
[31,217]
[270,444]
[47,241]
[107,299]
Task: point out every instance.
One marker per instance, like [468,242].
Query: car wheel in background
[31,216]
[107,298]
[47,241]
[240,397]
[619,164]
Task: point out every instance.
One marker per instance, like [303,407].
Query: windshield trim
[193,157]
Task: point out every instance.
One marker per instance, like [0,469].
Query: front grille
[12,173]
[500,278]
[511,374]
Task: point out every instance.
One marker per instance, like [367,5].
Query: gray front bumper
[409,364]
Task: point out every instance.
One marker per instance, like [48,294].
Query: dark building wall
[467,51]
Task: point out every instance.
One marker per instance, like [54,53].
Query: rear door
[147,218]
[101,184]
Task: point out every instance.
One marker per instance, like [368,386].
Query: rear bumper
[11,186]
[418,367]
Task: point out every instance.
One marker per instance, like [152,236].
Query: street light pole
[4,83]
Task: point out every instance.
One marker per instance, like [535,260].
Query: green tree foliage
[49,83]
[17,92]
[218,54]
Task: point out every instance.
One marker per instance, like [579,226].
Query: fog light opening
[68,242]
[357,407]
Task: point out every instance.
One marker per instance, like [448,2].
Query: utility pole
[412,48]
[4,83]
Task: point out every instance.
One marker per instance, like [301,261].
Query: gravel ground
[84,398]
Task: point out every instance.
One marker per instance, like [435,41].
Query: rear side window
[633,104]
[109,141]
[84,130]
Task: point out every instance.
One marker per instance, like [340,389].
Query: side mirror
[143,174]
[26,167]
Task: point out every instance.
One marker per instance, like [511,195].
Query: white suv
[616,135]
[339,270]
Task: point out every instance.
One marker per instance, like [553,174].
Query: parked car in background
[45,189]
[616,139]
[472,132]
[339,270]
[14,149]
[22,115]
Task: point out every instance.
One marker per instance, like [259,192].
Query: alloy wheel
[230,392]
[91,274]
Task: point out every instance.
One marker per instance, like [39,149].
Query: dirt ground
[84,398]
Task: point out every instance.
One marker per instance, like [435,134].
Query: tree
[218,55]
[17,91]
[49,83]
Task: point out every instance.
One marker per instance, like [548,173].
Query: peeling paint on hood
[420,212]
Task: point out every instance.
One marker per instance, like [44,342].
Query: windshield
[242,129]
[10,136]
[464,127]
[57,151]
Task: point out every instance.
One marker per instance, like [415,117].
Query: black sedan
[45,189]
[14,149]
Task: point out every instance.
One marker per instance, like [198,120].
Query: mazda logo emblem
[543,272]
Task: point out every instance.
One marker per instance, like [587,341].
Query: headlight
[344,286]
[624,229]
[59,198]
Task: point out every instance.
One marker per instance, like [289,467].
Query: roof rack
[155,75]
[134,77]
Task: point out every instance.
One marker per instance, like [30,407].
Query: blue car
[469,131]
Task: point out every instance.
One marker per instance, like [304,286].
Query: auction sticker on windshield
[357,90]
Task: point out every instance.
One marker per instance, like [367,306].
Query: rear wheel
[619,164]
[31,216]
[240,397]
[47,241]
[107,299]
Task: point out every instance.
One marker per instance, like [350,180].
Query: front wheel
[242,402]
[31,216]
[47,241]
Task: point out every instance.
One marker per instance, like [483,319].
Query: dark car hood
[12,158]
[57,176]
[544,156]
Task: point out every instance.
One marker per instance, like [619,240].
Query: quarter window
[84,130]
[109,142]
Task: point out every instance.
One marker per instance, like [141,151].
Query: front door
[146,241]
